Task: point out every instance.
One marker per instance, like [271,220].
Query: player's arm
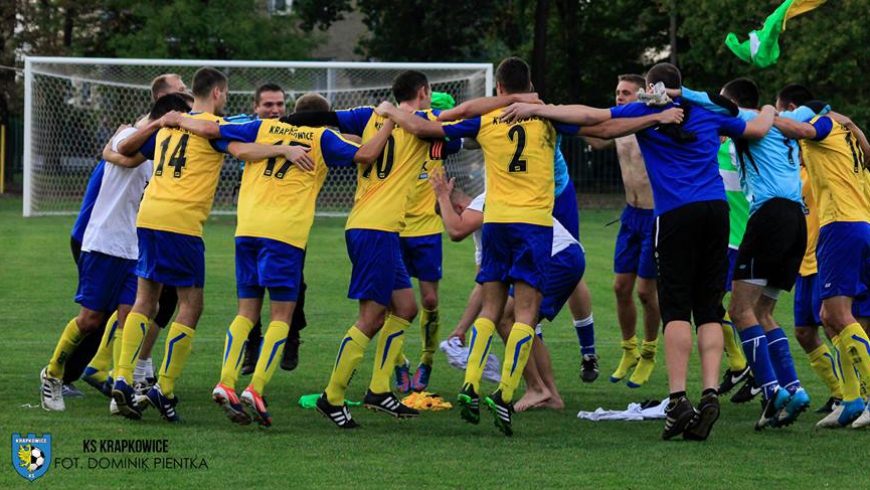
[598,143]
[485,105]
[758,127]
[373,148]
[458,226]
[252,152]
[112,156]
[710,101]
[854,129]
[569,114]
[796,130]
[411,122]
[200,127]
[472,310]
[131,145]
[615,128]
[314,119]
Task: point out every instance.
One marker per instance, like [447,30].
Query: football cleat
[290,359]
[104,387]
[252,354]
[403,377]
[747,392]
[123,394]
[51,396]
[732,379]
[798,404]
[163,404]
[469,404]
[708,410]
[420,381]
[772,408]
[337,414]
[70,391]
[144,386]
[229,401]
[388,403]
[832,420]
[863,420]
[678,417]
[113,408]
[589,368]
[259,407]
[851,411]
[829,405]
[502,411]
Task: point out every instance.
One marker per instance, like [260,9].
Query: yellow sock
[350,353]
[69,340]
[390,340]
[429,325]
[850,382]
[857,345]
[116,351]
[102,360]
[516,355]
[630,358]
[235,343]
[131,343]
[270,357]
[824,364]
[733,349]
[481,340]
[647,362]
[178,342]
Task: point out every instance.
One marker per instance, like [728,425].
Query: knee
[807,337]
[623,289]
[832,318]
[89,321]
[429,300]
[646,296]
[738,315]
[406,311]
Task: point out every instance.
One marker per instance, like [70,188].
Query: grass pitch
[303,450]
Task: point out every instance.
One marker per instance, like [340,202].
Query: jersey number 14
[177,160]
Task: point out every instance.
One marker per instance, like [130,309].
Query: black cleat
[337,414]
[771,408]
[290,359]
[680,416]
[469,405]
[829,405]
[732,379]
[252,354]
[709,414]
[388,403]
[747,392]
[502,411]
[589,368]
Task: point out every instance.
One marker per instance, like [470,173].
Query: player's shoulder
[206,116]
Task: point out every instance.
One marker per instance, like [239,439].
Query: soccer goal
[74,105]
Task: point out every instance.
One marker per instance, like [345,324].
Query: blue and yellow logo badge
[31,455]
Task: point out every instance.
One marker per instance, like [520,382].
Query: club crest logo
[31,455]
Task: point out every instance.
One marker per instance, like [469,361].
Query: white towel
[633,412]
[457,357]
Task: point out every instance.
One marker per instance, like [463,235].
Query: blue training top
[91,193]
[560,167]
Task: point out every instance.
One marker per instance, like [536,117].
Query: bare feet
[552,403]
[531,399]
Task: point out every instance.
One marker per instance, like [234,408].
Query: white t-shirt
[112,228]
[562,239]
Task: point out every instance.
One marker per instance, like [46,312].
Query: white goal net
[74,105]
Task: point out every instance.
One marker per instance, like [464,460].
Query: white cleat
[862,421]
[113,407]
[51,396]
[832,420]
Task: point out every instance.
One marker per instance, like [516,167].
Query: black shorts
[773,245]
[691,245]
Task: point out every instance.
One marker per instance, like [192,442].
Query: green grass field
[302,450]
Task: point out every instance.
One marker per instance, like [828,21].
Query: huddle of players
[517,235]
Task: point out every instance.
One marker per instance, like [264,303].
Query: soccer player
[517,230]
[109,249]
[634,259]
[769,256]
[834,162]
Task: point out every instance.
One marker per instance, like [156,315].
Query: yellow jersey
[420,216]
[518,157]
[383,187]
[187,168]
[277,200]
[809,265]
[835,164]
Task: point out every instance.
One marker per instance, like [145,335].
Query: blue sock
[585,329]
[780,357]
[758,356]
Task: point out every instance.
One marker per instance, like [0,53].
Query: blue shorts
[807,301]
[422,256]
[516,252]
[566,270]
[105,281]
[732,260]
[635,253]
[171,259]
[378,268]
[263,263]
[843,253]
[565,210]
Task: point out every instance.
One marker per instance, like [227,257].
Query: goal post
[73,106]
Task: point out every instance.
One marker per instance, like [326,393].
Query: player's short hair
[267,87]
[632,78]
[161,84]
[743,91]
[311,102]
[794,93]
[407,84]
[514,75]
[166,103]
[666,73]
[206,79]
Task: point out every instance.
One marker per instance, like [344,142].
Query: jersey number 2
[177,160]
[517,134]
